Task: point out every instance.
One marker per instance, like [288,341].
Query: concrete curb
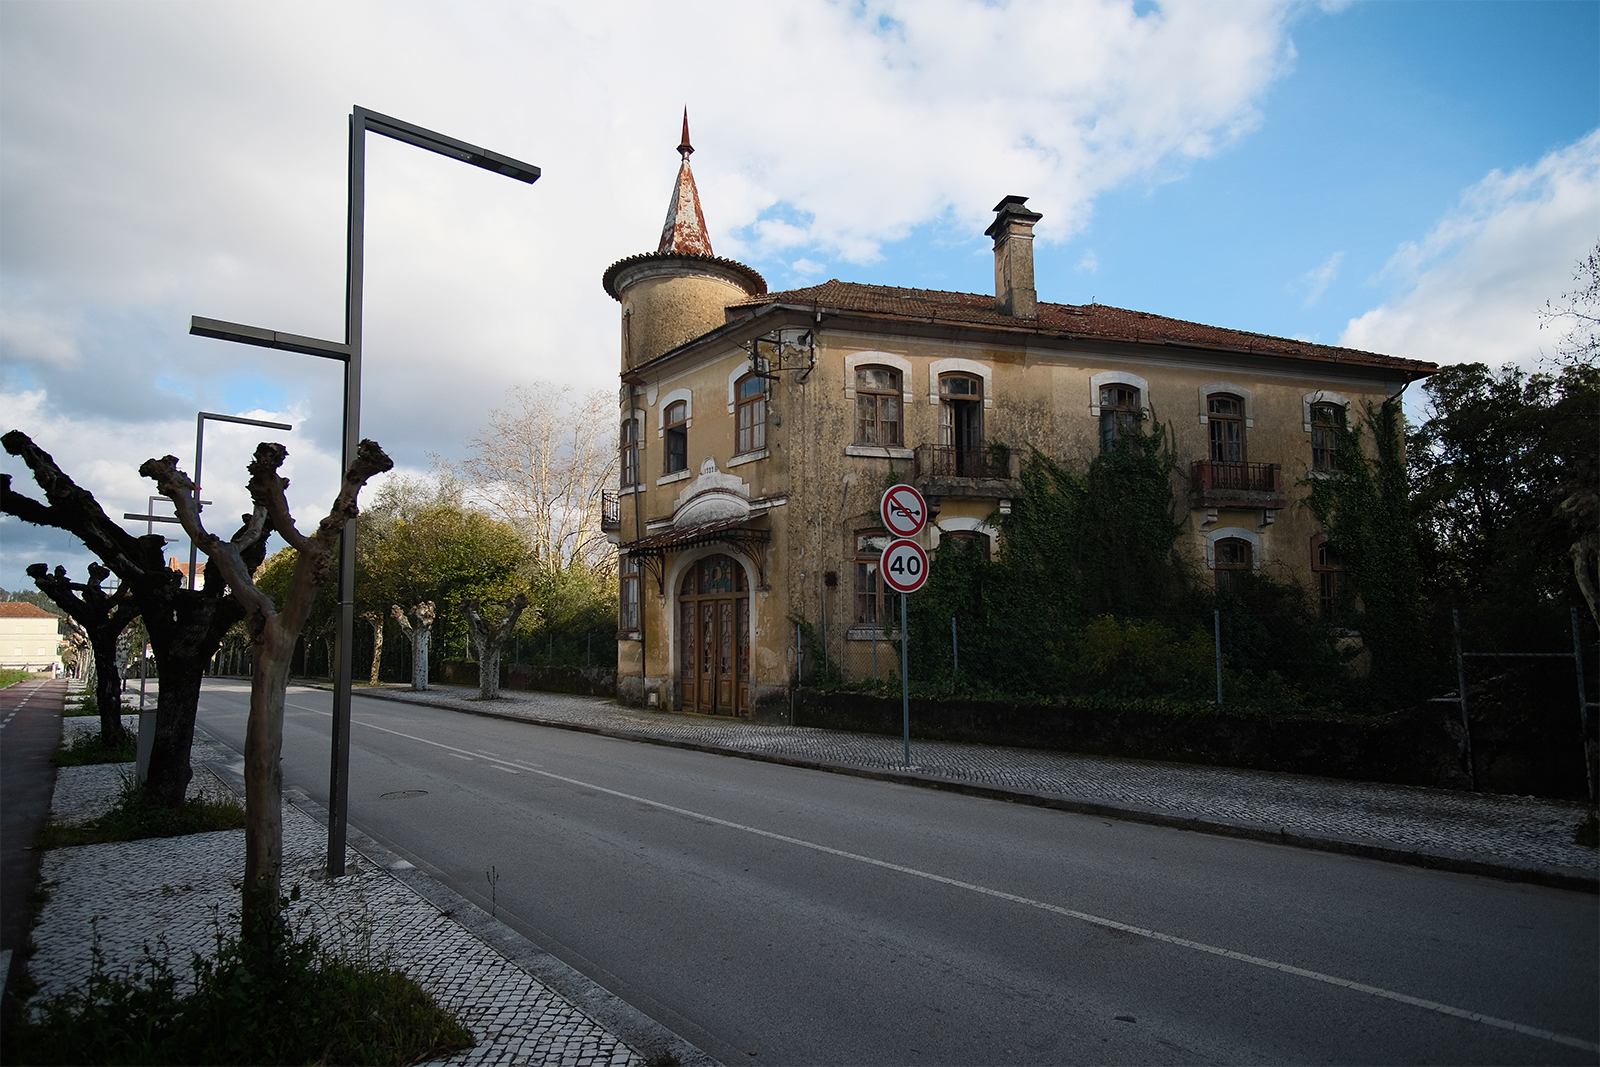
[1570,878]
[654,1042]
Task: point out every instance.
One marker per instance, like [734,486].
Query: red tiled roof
[19,609]
[1097,321]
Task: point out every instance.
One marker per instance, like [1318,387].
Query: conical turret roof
[684,232]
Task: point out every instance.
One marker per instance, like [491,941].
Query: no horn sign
[904,510]
[905,566]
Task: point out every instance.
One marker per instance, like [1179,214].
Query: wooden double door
[714,637]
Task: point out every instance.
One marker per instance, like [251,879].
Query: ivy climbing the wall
[1366,510]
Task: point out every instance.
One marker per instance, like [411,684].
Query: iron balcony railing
[1216,476]
[946,461]
[610,511]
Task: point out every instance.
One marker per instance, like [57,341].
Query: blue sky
[1412,178]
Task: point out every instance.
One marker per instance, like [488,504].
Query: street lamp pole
[361,120]
[199,445]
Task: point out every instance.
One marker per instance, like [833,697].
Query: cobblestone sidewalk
[167,896]
[1507,832]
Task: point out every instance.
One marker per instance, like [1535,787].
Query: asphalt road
[30,730]
[776,915]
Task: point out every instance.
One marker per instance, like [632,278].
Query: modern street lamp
[199,445]
[361,120]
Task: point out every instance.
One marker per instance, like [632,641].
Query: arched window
[1225,416]
[1120,415]
[878,406]
[1329,571]
[1326,422]
[1233,560]
[961,423]
[751,392]
[629,438]
[675,422]
[869,590]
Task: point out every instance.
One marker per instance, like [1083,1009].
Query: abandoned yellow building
[758,431]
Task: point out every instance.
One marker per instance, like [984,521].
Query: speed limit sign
[904,566]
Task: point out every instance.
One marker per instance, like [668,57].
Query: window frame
[628,594]
[867,564]
[675,431]
[628,441]
[1118,420]
[750,415]
[874,398]
[1325,435]
[1220,423]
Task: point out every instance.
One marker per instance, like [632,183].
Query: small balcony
[942,470]
[610,511]
[1237,485]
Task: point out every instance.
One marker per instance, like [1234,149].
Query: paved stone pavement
[1526,838]
[167,897]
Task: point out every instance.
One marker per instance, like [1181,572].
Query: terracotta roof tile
[18,609]
[1097,321]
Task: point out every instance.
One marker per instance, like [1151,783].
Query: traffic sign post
[903,568]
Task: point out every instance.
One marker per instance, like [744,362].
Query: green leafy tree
[1503,477]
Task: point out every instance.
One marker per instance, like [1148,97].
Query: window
[628,607]
[878,406]
[677,436]
[752,413]
[1326,422]
[1225,416]
[869,590]
[1233,562]
[630,452]
[1329,572]
[1120,415]
[961,422]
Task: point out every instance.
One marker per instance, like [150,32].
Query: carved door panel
[687,675]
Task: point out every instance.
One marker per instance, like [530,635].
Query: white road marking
[1082,916]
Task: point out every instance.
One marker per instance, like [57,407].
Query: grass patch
[89,748]
[299,1003]
[10,676]
[88,705]
[135,817]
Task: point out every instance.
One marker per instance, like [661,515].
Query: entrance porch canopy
[652,551]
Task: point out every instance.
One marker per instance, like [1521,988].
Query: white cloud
[1090,262]
[1473,284]
[162,161]
[1316,281]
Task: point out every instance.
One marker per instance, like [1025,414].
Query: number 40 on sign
[905,566]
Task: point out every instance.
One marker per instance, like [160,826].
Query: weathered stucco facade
[759,431]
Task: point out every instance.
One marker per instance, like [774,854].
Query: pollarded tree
[276,630]
[419,636]
[186,626]
[103,617]
[489,639]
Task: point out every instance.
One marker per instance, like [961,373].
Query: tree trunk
[489,641]
[108,692]
[419,656]
[263,796]
[377,647]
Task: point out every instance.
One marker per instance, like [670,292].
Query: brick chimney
[1012,231]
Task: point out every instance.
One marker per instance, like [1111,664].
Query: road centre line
[1000,894]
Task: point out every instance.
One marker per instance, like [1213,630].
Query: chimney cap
[1011,208]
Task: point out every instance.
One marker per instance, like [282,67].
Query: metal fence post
[1216,629]
[955,651]
[1583,703]
[1461,688]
